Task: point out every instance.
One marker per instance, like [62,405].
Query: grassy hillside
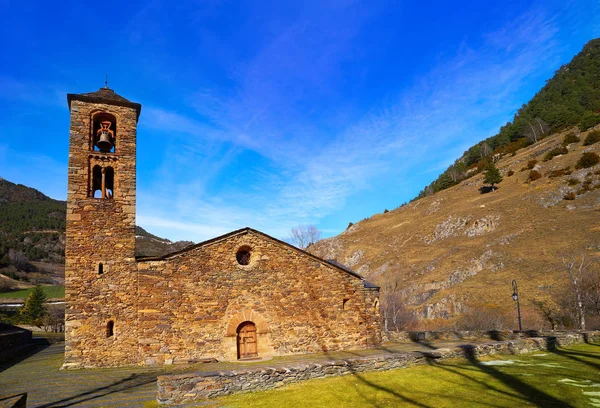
[570,98]
[454,251]
[457,251]
[52,292]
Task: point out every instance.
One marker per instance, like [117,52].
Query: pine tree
[34,309]
[492,175]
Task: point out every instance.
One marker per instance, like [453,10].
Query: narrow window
[344,303]
[109,182]
[100,268]
[97,182]
[110,326]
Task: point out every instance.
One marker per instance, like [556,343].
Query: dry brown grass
[532,228]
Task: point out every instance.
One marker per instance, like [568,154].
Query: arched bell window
[104,133]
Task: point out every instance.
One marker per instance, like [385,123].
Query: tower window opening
[344,303]
[109,187]
[110,329]
[103,182]
[97,182]
[100,268]
[104,133]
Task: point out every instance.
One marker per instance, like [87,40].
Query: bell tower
[100,269]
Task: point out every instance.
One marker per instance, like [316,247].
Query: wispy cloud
[35,170]
[17,90]
[304,170]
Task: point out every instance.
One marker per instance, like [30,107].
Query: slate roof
[104,95]
[246,230]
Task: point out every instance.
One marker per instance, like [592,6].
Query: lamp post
[515,297]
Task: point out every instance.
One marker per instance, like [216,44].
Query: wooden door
[246,340]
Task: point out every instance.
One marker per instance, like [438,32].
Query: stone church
[243,295]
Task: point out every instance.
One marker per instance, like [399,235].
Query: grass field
[57,291]
[565,378]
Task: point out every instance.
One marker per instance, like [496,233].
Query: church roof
[246,230]
[104,95]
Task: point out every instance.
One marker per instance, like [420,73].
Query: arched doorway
[247,346]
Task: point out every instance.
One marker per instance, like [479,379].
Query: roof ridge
[335,264]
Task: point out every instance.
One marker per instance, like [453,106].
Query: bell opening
[104,133]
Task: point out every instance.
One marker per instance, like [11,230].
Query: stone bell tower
[100,269]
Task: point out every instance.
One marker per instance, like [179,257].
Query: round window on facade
[243,255]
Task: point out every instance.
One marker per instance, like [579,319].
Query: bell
[104,141]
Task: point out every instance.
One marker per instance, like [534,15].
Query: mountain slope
[459,250]
[32,235]
[570,98]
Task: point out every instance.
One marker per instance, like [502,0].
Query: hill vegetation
[570,99]
[32,238]
[447,258]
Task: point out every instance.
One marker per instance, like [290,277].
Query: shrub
[510,173]
[560,172]
[592,138]
[571,138]
[386,211]
[557,151]
[483,319]
[569,196]
[534,175]
[349,225]
[572,182]
[530,165]
[587,160]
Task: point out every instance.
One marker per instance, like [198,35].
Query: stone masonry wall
[191,304]
[100,231]
[181,388]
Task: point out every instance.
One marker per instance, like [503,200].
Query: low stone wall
[180,388]
[497,335]
[12,336]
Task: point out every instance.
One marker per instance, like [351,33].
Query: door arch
[247,344]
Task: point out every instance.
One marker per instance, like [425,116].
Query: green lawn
[565,378]
[57,291]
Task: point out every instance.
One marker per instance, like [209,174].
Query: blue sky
[274,114]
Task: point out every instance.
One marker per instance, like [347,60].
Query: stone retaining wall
[176,389]
[497,335]
[11,336]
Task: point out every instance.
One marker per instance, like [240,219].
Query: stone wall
[498,335]
[100,231]
[191,304]
[181,388]
[13,337]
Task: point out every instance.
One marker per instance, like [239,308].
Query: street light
[515,297]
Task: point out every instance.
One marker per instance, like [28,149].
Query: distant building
[241,295]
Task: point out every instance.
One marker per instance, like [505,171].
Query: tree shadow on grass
[459,371]
[131,382]
[552,346]
[399,398]
[532,394]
